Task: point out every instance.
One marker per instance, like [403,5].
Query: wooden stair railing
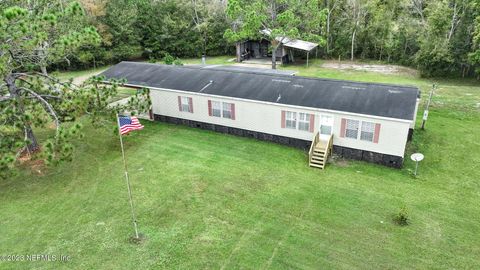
[319,152]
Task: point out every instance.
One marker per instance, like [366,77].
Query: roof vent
[278,80]
[279,97]
[207,85]
[353,87]
[394,91]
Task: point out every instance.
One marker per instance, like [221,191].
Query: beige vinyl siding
[266,118]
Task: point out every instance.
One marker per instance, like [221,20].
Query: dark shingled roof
[384,100]
[246,69]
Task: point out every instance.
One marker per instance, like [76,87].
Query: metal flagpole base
[137,240]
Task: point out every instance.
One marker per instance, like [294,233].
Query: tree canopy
[439,37]
[30,98]
[274,20]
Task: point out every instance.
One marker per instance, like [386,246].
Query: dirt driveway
[379,68]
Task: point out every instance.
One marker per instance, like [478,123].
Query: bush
[401,218]
[152,60]
[168,59]
[435,62]
[178,62]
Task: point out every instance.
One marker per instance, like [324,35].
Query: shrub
[178,62]
[152,60]
[168,59]
[401,218]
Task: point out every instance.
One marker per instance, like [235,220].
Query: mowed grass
[213,201]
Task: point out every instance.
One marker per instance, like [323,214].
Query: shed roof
[384,100]
[299,44]
[292,43]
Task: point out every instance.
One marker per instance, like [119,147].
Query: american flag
[128,123]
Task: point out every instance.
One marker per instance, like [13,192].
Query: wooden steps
[319,151]
[318,158]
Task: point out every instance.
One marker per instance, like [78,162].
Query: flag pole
[127,180]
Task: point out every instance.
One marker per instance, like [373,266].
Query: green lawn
[211,60]
[212,201]
[65,75]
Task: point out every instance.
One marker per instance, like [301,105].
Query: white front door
[326,124]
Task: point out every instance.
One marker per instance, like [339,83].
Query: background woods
[439,37]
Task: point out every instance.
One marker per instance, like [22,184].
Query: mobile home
[362,121]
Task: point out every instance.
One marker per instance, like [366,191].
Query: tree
[275,18]
[331,6]
[29,98]
[436,55]
[313,21]
[474,56]
[123,38]
[204,15]
[69,18]
[358,12]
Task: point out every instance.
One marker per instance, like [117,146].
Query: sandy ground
[384,69]
[267,66]
[80,79]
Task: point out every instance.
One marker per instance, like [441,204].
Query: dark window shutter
[209,108]
[342,127]
[377,133]
[179,103]
[233,111]
[190,104]
[312,122]
[283,119]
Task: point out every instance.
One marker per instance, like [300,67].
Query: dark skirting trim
[350,153]
[368,156]
[410,134]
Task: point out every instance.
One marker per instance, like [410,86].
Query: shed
[257,49]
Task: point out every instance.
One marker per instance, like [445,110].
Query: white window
[326,123]
[304,121]
[227,110]
[185,104]
[351,129]
[367,131]
[291,120]
[216,108]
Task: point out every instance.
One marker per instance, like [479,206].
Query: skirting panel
[302,144]
[373,157]
[410,134]
[350,153]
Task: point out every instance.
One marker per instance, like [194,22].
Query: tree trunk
[353,44]
[43,58]
[454,19]
[275,43]
[328,31]
[274,59]
[44,70]
[239,53]
[32,145]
